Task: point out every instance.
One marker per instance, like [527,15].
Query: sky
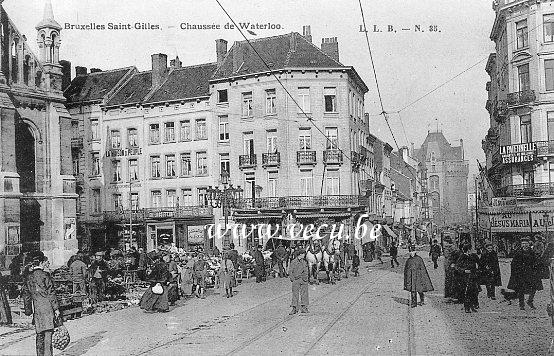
[409,64]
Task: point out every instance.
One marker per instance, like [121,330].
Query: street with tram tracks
[359,315]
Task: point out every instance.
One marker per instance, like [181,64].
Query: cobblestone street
[363,315]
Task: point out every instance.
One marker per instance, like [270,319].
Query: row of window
[169,168]
[522,31]
[303,100]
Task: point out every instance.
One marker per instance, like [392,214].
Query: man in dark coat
[416,278]
[234,256]
[298,273]
[259,267]
[393,251]
[451,283]
[150,301]
[467,268]
[280,256]
[98,274]
[435,253]
[39,299]
[490,271]
[523,277]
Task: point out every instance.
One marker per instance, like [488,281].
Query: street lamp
[225,198]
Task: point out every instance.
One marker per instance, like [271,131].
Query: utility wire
[308,118]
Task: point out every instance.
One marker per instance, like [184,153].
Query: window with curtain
[525,124]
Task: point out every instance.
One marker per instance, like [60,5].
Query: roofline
[154,103]
[123,86]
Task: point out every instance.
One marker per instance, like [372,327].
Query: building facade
[518,145]
[37,188]
[447,172]
[292,131]
[147,156]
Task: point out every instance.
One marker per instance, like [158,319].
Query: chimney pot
[175,63]
[330,46]
[220,50]
[95,70]
[66,73]
[307,32]
[79,71]
[159,68]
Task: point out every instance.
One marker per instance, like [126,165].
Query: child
[355,263]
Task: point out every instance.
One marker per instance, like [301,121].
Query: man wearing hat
[259,267]
[416,278]
[490,270]
[524,278]
[98,274]
[298,273]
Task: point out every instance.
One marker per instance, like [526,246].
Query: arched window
[27,70]
[434,183]
[25,157]
[53,49]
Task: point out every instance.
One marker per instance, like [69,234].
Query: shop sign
[132,151]
[511,201]
[516,222]
[522,152]
[195,234]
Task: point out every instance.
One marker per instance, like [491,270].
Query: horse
[314,256]
[331,260]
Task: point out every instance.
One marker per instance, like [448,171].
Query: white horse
[314,256]
[331,260]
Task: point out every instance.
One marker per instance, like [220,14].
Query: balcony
[332,157]
[356,161]
[364,154]
[77,142]
[521,97]
[247,161]
[292,202]
[526,190]
[271,159]
[139,215]
[306,157]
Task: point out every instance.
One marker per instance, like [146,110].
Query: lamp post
[225,198]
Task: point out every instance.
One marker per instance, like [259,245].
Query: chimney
[462,146]
[292,40]
[80,71]
[220,50]
[159,67]
[237,56]
[412,153]
[66,73]
[95,70]
[175,63]
[330,46]
[307,32]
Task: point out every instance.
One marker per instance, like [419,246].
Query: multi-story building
[384,185]
[37,188]
[148,154]
[292,130]
[447,172]
[519,144]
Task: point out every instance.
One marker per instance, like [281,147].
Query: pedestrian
[15,267]
[5,311]
[98,275]
[349,252]
[187,278]
[356,263]
[155,298]
[173,290]
[524,278]
[280,256]
[226,274]
[467,266]
[298,275]
[416,278]
[79,275]
[216,251]
[393,251]
[378,252]
[234,256]
[435,253]
[490,270]
[451,285]
[259,264]
[200,270]
[39,300]
[538,246]
[142,264]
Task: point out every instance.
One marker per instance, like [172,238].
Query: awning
[389,231]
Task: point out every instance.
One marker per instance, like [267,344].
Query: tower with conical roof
[48,38]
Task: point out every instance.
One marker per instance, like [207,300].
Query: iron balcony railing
[521,97]
[77,142]
[247,161]
[321,201]
[306,157]
[526,190]
[332,157]
[158,213]
[271,159]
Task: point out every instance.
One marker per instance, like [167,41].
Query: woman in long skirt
[226,275]
[151,301]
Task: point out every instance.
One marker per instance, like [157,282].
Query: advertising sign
[522,152]
[195,234]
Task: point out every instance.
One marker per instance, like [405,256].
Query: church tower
[48,38]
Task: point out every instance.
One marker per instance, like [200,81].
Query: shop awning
[389,231]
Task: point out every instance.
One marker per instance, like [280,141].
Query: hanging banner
[516,222]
